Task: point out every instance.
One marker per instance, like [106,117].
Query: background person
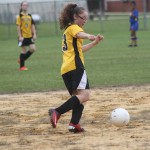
[26,34]
[133,24]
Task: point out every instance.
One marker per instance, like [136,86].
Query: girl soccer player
[73,72]
[133,24]
[26,34]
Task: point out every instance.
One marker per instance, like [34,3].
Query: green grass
[111,63]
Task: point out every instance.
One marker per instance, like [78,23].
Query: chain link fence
[46,16]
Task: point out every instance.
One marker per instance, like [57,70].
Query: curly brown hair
[67,15]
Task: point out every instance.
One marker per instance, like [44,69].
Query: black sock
[76,114]
[28,54]
[22,59]
[68,105]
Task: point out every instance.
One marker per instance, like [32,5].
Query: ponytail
[20,11]
[20,8]
[67,15]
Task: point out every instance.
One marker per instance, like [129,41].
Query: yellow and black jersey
[72,49]
[25,22]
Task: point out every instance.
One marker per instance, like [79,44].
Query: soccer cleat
[23,68]
[54,117]
[75,128]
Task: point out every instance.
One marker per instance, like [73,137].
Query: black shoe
[135,45]
[130,45]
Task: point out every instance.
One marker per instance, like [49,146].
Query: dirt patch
[24,121]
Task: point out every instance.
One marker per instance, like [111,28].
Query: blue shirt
[134,16]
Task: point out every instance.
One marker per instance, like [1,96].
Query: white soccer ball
[120,117]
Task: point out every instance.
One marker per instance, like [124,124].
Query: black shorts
[76,79]
[27,41]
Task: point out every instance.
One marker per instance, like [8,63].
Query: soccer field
[25,125]
[111,63]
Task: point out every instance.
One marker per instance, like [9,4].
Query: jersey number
[65,47]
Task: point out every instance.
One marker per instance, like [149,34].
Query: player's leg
[22,58]
[31,50]
[73,80]
[83,96]
[133,30]
[132,38]
[135,33]
[73,101]
[76,104]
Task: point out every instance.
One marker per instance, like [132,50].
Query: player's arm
[33,29]
[18,23]
[86,47]
[19,31]
[33,32]
[134,15]
[83,35]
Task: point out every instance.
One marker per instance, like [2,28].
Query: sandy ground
[24,121]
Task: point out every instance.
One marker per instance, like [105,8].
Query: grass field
[115,73]
[111,63]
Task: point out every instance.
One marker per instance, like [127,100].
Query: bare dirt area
[24,121]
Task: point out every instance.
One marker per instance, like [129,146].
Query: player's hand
[34,37]
[99,38]
[21,38]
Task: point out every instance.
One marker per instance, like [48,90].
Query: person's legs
[83,96]
[31,50]
[76,104]
[26,54]
[133,38]
[82,92]
[70,104]
[22,57]
[77,84]
[76,114]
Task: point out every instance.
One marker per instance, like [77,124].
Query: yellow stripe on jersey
[25,23]
[72,49]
